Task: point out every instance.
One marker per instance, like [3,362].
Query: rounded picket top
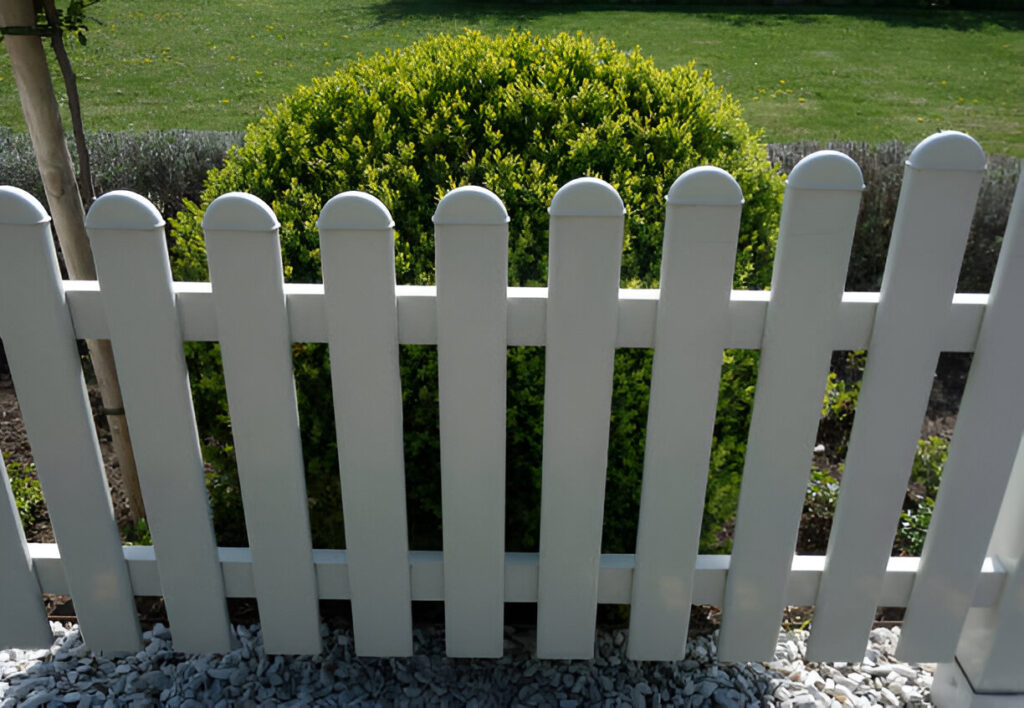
[470,206]
[238,211]
[587,196]
[826,169]
[354,211]
[705,186]
[122,210]
[948,150]
[19,208]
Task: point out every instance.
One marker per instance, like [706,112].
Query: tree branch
[85,185]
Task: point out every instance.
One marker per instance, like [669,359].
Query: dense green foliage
[920,501]
[28,495]
[521,116]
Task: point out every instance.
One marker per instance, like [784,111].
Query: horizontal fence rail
[472,317]
[526,312]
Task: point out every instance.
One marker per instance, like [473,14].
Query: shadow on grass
[728,13]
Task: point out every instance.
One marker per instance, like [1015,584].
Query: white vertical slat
[127,237]
[357,250]
[22,615]
[991,648]
[245,269]
[43,355]
[471,259]
[702,221]
[940,186]
[585,255]
[819,213]
[985,442]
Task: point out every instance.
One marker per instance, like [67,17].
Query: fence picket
[819,213]
[940,186]
[43,355]
[127,237]
[244,254]
[990,652]
[471,246]
[981,455]
[698,260]
[22,614]
[357,250]
[585,254]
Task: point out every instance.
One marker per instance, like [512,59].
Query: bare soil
[15,446]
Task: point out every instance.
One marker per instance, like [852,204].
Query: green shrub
[920,502]
[166,166]
[520,115]
[28,495]
[882,166]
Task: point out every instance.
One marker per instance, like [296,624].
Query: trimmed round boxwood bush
[520,115]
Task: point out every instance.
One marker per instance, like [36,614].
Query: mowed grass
[799,73]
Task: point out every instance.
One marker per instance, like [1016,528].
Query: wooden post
[39,105]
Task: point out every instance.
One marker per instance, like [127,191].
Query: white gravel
[68,673]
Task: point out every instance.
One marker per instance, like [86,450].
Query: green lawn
[800,74]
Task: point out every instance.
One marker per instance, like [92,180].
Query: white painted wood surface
[357,252]
[698,260]
[991,650]
[585,255]
[471,262]
[819,213]
[128,244]
[985,443]
[473,319]
[527,313]
[940,186]
[23,621]
[615,578]
[45,366]
[244,255]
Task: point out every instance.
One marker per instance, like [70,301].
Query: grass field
[800,74]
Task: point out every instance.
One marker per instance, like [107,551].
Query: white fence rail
[471,315]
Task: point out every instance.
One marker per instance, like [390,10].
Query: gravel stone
[68,673]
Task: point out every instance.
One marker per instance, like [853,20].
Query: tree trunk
[42,114]
[85,186]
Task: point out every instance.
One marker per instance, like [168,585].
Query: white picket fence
[968,587]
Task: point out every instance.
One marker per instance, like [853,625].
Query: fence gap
[523,435]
